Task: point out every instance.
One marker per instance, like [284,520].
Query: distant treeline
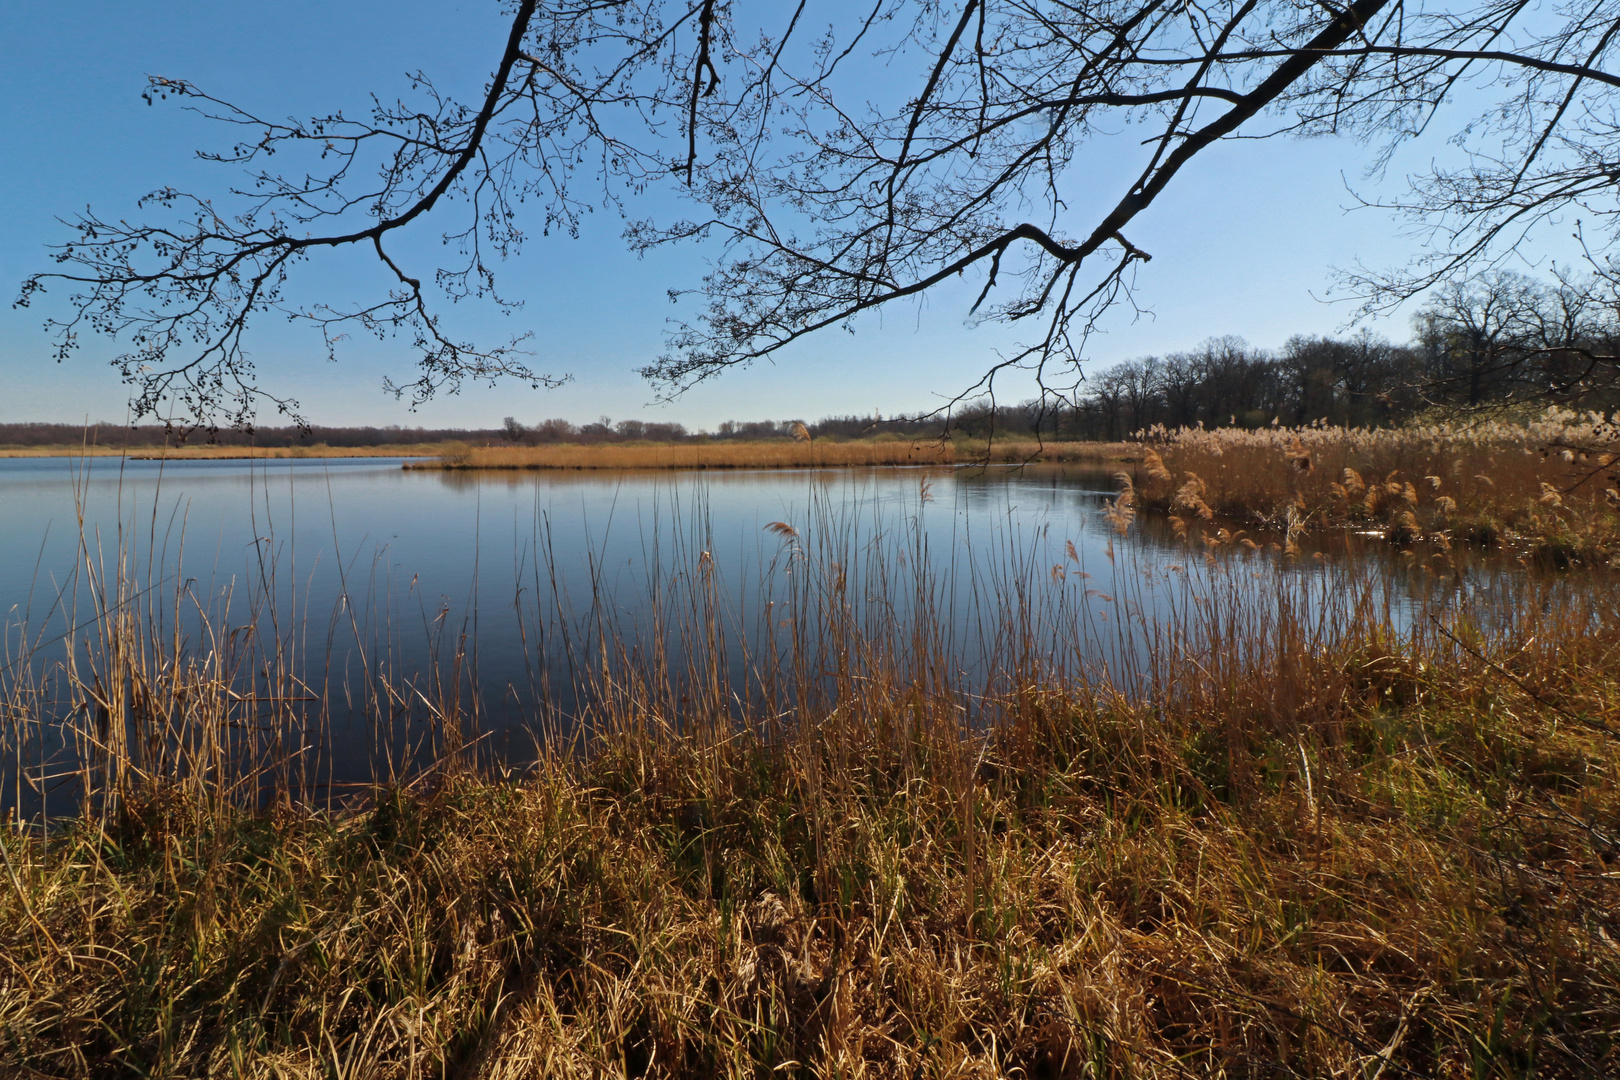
[604,430]
[1502,338]
[1362,381]
[512,432]
[1499,339]
[832,427]
[116,435]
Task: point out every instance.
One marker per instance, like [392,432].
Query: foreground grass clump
[1364,862]
[1549,481]
[779,454]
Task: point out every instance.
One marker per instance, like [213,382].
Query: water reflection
[402,597]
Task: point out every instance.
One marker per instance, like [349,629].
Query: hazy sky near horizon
[1243,242]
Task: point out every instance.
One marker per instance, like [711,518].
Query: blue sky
[1243,243]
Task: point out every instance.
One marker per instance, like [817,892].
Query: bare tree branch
[825,192]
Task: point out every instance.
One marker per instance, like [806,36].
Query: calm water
[444,539]
[366,570]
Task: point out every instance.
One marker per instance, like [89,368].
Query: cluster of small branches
[826,192]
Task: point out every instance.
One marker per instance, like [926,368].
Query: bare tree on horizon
[821,204]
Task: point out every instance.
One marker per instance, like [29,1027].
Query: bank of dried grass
[205,452]
[1306,844]
[780,454]
[1548,482]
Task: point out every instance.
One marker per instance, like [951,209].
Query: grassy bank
[1547,482]
[777,454]
[204,452]
[771,455]
[1410,870]
[1302,837]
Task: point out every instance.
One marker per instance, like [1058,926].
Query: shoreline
[222,453]
[1304,812]
[773,455]
[697,456]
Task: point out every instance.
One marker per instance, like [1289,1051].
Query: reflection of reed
[159,686]
[168,689]
[1279,817]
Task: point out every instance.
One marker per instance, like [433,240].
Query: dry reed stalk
[1549,482]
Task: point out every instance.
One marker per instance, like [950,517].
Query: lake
[387,614]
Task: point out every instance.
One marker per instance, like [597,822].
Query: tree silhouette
[826,202]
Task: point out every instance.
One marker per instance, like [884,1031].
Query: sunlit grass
[205,452]
[1549,482]
[1300,836]
[781,454]
[696,454]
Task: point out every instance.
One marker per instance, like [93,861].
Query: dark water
[438,541]
[494,590]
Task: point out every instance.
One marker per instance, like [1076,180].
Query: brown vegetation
[1303,840]
[205,452]
[319,450]
[26,439]
[769,455]
[1549,482]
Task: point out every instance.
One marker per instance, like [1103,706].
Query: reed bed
[318,450]
[1310,832]
[204,452]
[781,454]
[1548,483]
[63,450]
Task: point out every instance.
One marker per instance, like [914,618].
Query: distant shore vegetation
[1476,350]
[777,454]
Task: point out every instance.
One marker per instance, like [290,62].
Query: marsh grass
[1305,833]
[204,452]
[781,454]
[1547,482]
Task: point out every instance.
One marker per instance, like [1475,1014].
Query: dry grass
[1549,483]
[768,455]
[319,450]
[1304,844]
[204,452]
[1019,451]
[693,455]
[59,451]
